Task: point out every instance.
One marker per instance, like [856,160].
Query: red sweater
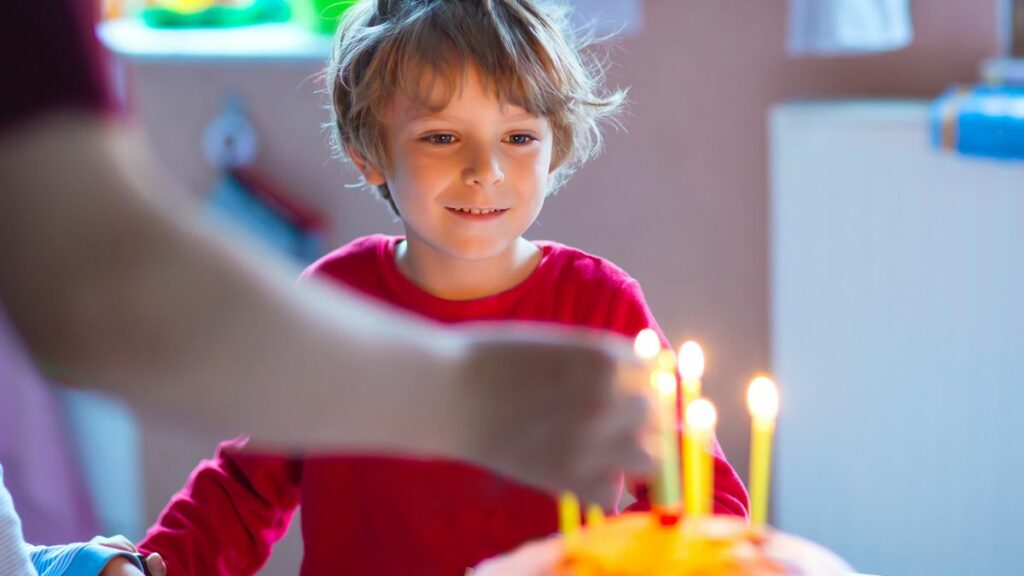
[376,515]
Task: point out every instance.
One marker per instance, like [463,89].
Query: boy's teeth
[477,211]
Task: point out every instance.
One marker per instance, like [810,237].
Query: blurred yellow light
[701,415]
[664,382]
[647,344]
[186,6]
[691,361]
[763,398]
[667,361]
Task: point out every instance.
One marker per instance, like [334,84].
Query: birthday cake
[651,544]
[657,543]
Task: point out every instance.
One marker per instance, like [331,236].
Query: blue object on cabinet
[986,121]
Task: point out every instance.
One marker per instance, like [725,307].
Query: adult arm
[114,285]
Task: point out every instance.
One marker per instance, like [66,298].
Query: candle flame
[763,398]
[701,415]
[647,344]
[691,361]
[664,382]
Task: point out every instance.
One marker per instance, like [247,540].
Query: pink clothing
[51,61]
[42,472]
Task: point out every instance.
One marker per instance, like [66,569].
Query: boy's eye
[520,139]
[440,138]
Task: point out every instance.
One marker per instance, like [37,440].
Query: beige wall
[679,200]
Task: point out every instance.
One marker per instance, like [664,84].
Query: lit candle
[595,516]
[568,514]
[666,487]
[691,366]
[700,426]
[667,361]
[647,344]
[763,401]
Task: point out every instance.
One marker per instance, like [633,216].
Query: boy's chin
[475,250]
[476,253]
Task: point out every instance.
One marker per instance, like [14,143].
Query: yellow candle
[666,361]
[691,366]
[763,402]
[595,516]
[700,425]
[568,514]
[666,488]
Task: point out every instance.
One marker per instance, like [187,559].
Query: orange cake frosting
[649,544]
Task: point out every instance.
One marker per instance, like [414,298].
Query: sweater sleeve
[82,559]
[51,59]
[630,314]
[229,514]
[14,559]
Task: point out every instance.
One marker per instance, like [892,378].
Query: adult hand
[561,410]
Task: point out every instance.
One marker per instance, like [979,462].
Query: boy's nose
[483,169]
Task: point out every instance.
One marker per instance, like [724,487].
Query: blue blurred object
[847,27]
[250,199]
[239,201]
[985,121]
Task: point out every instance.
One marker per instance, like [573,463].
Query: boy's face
[468,179]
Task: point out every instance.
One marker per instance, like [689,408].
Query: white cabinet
[898,335]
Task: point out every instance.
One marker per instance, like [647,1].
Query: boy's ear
[373,175]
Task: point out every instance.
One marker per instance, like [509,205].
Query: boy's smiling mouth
[476,212]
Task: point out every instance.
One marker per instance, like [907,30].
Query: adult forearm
[113,283]
[234,342]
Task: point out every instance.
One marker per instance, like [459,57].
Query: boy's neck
[452,278]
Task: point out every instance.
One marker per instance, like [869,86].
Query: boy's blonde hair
[525,52]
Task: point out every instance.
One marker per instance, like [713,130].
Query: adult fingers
[155,565]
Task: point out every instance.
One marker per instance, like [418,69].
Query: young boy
[464,115]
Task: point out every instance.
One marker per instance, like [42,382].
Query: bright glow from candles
[664,383]
[691,361]
[701,415]
[763,398]
[763,402]
[647,344]
[667,361]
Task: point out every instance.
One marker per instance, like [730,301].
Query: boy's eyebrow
[427,114]
[523,116]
